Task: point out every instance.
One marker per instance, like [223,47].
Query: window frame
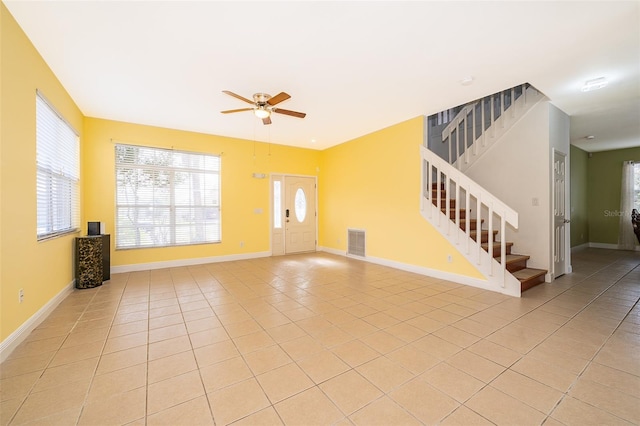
[165,207]
[57,172]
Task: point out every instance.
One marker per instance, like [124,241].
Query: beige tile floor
[321,339]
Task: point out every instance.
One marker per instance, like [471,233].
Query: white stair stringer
[499,126]
[498,279]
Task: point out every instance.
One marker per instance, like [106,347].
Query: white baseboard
[14,339]
[442,275]
[604,246]
[609,246]
[186,262]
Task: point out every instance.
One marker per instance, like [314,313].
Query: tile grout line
[591,361]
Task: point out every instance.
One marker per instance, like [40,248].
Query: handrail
[439,175]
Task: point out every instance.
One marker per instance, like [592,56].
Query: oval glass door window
[301,205]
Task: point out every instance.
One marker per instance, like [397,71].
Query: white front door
[299,214]
[293,228]
[560,219]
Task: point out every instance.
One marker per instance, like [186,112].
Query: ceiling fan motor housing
[261,98]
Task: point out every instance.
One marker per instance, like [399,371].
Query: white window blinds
[166,197]
[58,173]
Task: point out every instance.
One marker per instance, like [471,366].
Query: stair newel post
[503,246]
[425,184]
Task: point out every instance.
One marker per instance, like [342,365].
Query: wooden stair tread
[528,273]
[474,232]
[512,258]
[484,235]
[515,263]
[529,277]
[495,244]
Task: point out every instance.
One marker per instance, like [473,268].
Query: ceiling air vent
[356,240]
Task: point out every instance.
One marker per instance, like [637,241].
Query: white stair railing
[478,124]
[441,178]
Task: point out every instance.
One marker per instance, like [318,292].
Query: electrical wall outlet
[21,295]
[449,258]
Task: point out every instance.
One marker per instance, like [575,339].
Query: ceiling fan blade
[236,110]
[266,120]
[237,96]
[291,113]
[278,98]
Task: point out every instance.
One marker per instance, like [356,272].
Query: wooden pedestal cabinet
[92,260]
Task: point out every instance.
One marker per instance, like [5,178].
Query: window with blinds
[58,173]
[166,197]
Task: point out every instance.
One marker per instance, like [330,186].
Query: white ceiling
[353,67]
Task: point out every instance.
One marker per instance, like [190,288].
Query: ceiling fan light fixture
[262,112]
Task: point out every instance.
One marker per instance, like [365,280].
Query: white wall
[517,170]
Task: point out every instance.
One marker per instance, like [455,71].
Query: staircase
[516,264]
[466,214]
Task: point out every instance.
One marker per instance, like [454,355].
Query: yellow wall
[42,269]
[373,183]
[241,193]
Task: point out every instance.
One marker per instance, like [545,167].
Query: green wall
[579,197]
[604,170]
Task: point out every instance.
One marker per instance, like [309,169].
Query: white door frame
[567,212]
[281,177]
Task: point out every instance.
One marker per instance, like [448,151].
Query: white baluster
[467,216]
[457,216]
[503,247]
[478,226]
[502,108]
[439,198]
[490,237]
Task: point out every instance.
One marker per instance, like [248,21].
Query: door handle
[567,221]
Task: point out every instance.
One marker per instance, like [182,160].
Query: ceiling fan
[264,105]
